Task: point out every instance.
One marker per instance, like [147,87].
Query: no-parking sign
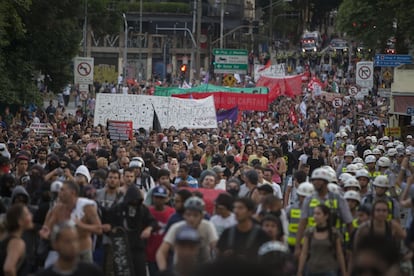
[83,70]
[337,102]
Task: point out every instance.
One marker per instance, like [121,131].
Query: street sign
[84,91]
[364,74]
[410,110]
[337,102]
[392,60]
[384,92]
[353,90]
[387,75]
[230,61]
[83,70]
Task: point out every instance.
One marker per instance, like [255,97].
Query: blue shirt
[329,138]
[192,182]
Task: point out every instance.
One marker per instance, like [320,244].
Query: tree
[372,22]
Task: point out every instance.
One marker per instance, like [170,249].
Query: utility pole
[125,49]
[85,27]
[140,42]
[221,23]
[199,16]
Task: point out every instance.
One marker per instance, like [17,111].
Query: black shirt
[244,244]
[315,163]
[81,269]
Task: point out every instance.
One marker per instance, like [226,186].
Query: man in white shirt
[224,217]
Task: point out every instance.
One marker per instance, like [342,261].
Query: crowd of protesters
[307,188]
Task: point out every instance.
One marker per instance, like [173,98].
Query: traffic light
[183,68]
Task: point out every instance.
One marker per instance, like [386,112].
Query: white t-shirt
[222,224]
[207,232]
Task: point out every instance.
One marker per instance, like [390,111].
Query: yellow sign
[393,131]
[387,75]
[105,72]
[229,80]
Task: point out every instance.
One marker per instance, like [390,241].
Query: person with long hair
[13,247]
[322,247]
[378,225]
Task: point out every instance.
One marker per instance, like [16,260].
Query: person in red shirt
[161,212]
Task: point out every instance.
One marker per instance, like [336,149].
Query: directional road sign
[230,61]
[392,60]
[364,74]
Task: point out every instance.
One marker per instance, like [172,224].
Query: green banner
[168,91]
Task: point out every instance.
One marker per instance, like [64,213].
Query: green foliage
[162,7]
[371,21]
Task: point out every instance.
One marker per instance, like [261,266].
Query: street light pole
[85,27]
[125,48]
[221,23]
[140,41]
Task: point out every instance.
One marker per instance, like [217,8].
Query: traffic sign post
[392,60]
[337,102]
[83,70]
[364,74]
[230,61]
[410,110]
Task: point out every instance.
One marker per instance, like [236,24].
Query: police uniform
[293,215]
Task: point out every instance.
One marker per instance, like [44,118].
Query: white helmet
[350,148]
[353,195]
[344,176]
[273,246]
[370,159]
[337,135]
[385,138]
[351,168]
[321,173]
[305,189]
[349,153]
[368,138]
[359,166]
[389,145]
[333,188]
[366,153]
[332,173]
[352,182]
[400,148]
[384,162]
[396,143]
[381,181]
[344,134]
[362,173]
[376,151]
[55,186]
[381,147]
[374,139]
[392,152]
[357,160]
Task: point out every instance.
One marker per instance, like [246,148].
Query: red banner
[226,100]
[120,130]
[287,86]
[209,197]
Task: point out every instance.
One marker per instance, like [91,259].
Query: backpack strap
[231,237]
[252,236]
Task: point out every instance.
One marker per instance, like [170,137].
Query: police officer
[337,204]
[294,212]
[381,186]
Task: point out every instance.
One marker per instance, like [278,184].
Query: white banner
[171,111]
[273,71]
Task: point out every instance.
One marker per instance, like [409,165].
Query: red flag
[274,92]
[288,90]
[292,115]
[267,65]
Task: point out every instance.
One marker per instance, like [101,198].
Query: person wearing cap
[348,158]
[161,213]
[370,162]
[245,238]
[194,218]
[224,216]
[143,180]
[364,180]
